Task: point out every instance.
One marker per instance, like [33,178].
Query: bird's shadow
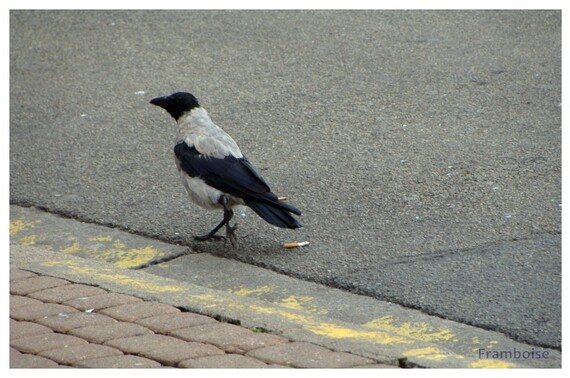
[250,245]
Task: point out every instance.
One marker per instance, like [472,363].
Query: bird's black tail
[275,212]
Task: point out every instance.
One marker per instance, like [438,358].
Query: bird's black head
[177,103]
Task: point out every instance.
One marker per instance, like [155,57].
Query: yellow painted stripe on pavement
[492,364]
[19,225]
[416,330]
[112,276]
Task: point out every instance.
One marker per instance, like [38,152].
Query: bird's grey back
[197,129]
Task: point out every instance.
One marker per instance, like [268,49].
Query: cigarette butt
[282,198]
[296,244]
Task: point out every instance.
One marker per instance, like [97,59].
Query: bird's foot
[231,234]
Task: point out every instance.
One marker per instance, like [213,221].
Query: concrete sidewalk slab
[30,226]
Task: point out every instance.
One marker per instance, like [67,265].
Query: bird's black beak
[159,101]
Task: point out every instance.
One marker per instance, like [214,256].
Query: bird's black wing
[235,176]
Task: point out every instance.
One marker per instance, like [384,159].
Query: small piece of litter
[296,244]
[90,310]
[281,198]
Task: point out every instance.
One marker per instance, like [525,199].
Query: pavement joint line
[380,338]
[164,259]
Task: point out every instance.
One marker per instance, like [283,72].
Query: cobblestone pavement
[55,323]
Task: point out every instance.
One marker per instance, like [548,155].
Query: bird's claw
[230,235]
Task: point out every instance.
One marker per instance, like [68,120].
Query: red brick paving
[229,337]
[102,301]
[57,324]
[305,355]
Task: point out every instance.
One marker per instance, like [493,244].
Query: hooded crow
[215,172]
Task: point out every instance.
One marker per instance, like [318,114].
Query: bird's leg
[228,214]
[230,231]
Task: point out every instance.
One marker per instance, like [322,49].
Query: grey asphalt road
[423,147]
